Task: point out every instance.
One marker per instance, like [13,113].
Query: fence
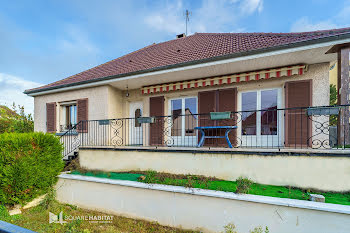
[309,127]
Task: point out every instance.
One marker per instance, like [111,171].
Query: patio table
[203,137]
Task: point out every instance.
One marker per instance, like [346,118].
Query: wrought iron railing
[71,140]
[309,127]
[65,128]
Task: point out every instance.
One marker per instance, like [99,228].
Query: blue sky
[44,41]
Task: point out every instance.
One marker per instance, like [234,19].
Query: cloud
[339,20]
[11,91]
[250,6]
[168,19]
[76,41]
[304,25]
[210,16]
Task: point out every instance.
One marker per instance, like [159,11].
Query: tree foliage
[15,120]
[333,100]
[333,95]
[29,165]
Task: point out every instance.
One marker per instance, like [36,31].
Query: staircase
[71,140]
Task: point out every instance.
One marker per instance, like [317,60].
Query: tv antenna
[187,15]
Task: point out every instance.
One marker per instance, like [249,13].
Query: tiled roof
[189,49]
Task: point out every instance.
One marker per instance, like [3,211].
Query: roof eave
[206,60]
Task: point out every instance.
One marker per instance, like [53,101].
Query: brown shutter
[157,128]
[297,124]
[51,117]
[82,115]
[207,102]
[227,102]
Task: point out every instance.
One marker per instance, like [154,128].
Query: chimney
[180,35]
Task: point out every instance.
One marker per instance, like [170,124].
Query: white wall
[204,210]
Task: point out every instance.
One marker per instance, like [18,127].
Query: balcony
[308,128]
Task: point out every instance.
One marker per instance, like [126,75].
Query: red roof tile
[192,48]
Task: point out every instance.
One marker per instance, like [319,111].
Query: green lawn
[37,219]
[220,185]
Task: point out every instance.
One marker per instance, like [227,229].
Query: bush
[243,184]
[29,165]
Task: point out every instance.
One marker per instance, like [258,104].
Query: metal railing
[309,127]
[65,128]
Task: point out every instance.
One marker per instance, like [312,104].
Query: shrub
[151,176]
[29,165]
[243,184]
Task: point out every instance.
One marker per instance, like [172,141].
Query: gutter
[293,47]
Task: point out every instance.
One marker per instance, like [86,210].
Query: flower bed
[212,183]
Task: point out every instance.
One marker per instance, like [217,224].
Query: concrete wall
[204,210]
[318,172]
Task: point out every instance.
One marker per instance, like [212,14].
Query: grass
[110,175]
[213,183]
[37,219]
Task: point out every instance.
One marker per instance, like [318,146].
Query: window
[261,122]
[184,117]
[249,105]
[68,116]
[266,101]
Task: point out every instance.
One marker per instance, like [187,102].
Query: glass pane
[190,117]
[137,115]
[249,118]
[73,114]
[269,116]
[176,111]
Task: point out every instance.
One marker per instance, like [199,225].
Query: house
[268,81]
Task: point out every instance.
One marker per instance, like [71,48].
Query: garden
[241,185]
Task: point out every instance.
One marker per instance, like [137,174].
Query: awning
[227,79]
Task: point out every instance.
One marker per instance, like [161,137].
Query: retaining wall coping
[335,208]
[232,151]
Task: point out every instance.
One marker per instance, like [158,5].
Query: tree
[333,101]
[15,120]
[333,95]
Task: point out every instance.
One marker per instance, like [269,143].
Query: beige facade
[318,73]
[104,102]
[107,102]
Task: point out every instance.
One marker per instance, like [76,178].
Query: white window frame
[258,139]
[182,140]
[63,113]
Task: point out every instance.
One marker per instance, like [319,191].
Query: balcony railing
[65,128]
[310,127]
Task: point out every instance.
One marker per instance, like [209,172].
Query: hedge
[29,165]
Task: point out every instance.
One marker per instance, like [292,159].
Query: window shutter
[227,102]
[156,129]
[82,115]
[207,102]
[51,117]
[297,125]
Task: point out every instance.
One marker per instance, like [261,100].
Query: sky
[45,41]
